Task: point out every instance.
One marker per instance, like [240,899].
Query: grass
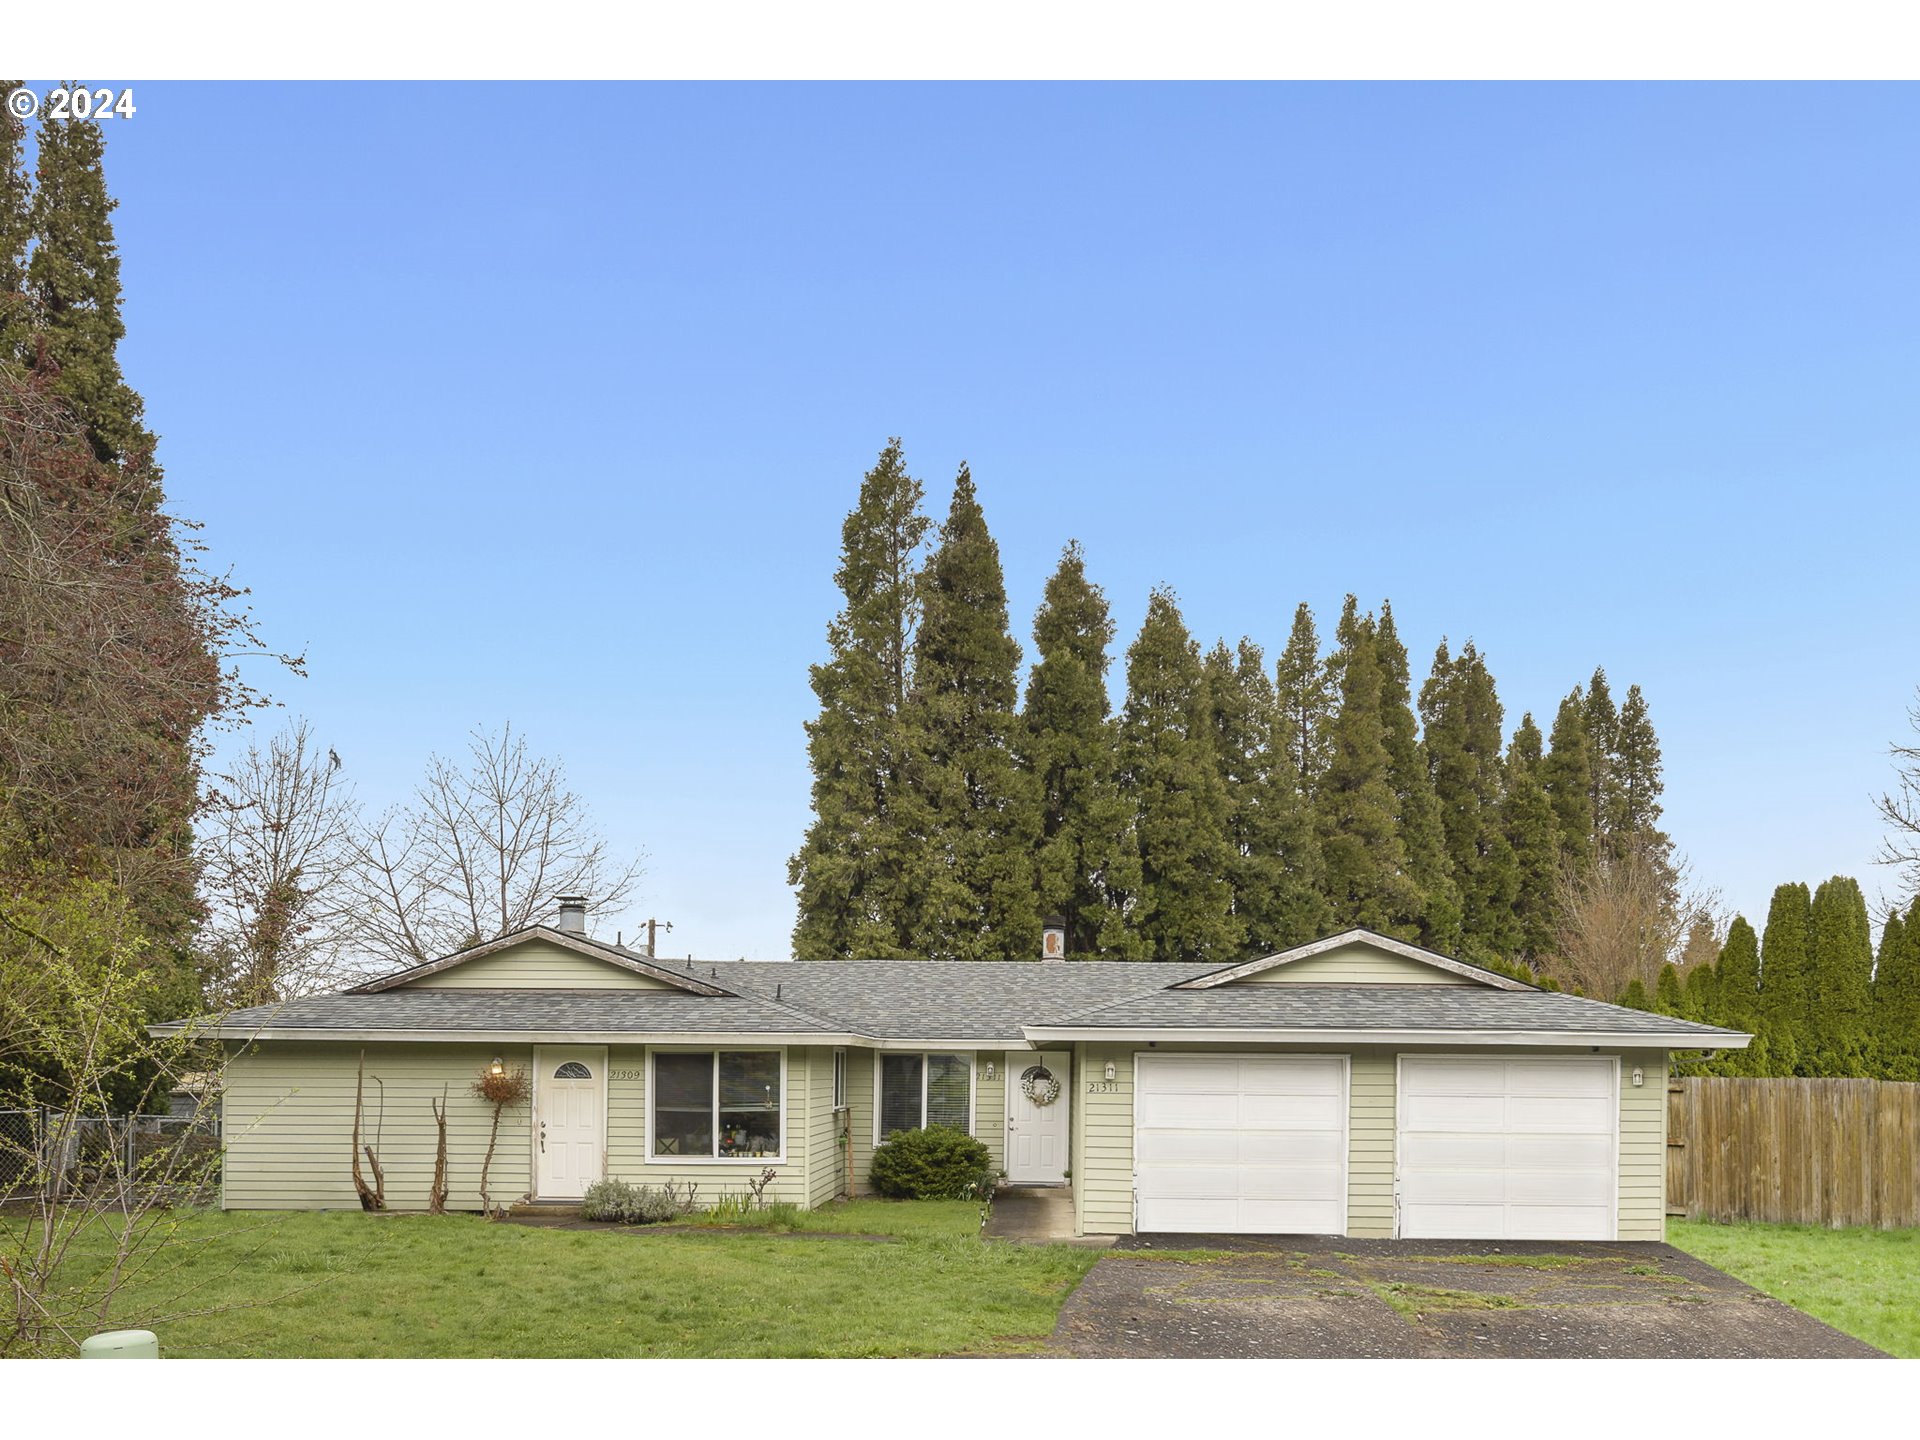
[1413,1301]
[1865,1282]
[344,1284]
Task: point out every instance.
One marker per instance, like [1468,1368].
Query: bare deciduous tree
[277,846]
[1623,917]
[483,850]
[1900,808]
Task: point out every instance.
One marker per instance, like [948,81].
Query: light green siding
[287,1118]
[1103,1136]
[990,1106]
[535,965]
[1356,964]
[825,1159]
[860,1070]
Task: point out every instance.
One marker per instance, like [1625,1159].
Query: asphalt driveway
[1304,1296]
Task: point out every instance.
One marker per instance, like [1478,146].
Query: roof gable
[1355,957]
[543,958]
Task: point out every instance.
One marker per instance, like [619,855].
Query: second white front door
[1037,1124]
[569,1121]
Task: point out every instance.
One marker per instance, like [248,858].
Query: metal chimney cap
[573,914]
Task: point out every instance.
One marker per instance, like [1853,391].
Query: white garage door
[1240,1144]
[1493,1149]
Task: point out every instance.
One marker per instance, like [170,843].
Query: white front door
[1037,1133]
[1240,1144]
[1498,1149]
[569,1119]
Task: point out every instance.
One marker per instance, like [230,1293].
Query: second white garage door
[1495,1149]
[1240,1144]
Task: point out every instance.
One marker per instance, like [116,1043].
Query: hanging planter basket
[1038,1084]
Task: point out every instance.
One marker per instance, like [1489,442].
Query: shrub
[626,1204]
[937,1163]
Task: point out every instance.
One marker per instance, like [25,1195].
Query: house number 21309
[625,1074]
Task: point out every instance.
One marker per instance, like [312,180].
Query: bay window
[917,1090]
[717,1105]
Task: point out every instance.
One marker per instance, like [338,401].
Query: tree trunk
[437,1197]
[372,1197]
[486,1201]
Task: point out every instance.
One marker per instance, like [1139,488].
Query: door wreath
[1038,1085]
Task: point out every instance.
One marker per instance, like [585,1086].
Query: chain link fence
[49,1155]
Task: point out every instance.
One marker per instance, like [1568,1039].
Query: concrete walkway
[1038,1215]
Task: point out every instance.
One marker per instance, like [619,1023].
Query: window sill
[730,1160]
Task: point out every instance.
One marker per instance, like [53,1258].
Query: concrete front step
[545,1210]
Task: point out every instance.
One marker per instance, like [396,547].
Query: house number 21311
[1103,1087]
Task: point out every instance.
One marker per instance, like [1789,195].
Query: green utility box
[121,1345]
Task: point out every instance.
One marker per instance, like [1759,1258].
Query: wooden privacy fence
[1813,1152]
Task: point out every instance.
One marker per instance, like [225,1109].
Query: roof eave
[1529,1039]
[1357,935]
[579,944]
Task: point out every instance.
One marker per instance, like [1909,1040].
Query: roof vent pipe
[1053,939]
[573,915]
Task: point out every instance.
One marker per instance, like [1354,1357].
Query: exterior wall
[627,1132]
[1103,1135]
[989,1108]
[1356,965]
[825,1158]
[535,965]
[860,1065]
[288,1125]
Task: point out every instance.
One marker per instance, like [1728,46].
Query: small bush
[626,1204]
[937,1163]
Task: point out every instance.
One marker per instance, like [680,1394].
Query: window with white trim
[917,1090]
[839,1079]
[716,1104]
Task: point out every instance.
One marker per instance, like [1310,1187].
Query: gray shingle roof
[1378,1007]
[508,1012]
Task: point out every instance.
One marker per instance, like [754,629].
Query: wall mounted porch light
[989,1069]
[498,1067]
[1112,1072]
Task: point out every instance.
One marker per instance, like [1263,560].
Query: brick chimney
[1053,938]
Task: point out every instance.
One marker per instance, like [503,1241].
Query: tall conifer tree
[1185,910]
[74,276]
[1567,774]
[1305,695]
[1603,737]
[1786,971]
[857,866]
[1736,1001]
[1276,881]
[1088,866]
[1461,715]
[16,232]
[1438,912]
[1840,1008]
[1356,810]
[1533,836]
[978,809]
[1896,997]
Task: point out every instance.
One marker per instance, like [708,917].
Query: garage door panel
[1240,1144]
[1189,1111]
[1455,1113]
[1571,1114]
[1534,1158]
[1293,1112]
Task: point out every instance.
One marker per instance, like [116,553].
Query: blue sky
[545,405]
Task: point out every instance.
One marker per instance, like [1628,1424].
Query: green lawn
[1865,1282]
[346,1284]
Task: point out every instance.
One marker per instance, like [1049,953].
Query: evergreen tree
[1668,998]
[1088,867]
[1437,912]
[978,809]
[1461,716]
[16,232]
[1567,775]
[1365,861]
[73,275]
[1603,738]
[1634,997]
[1896,997]
[1185,910]
[1840,1010]
[1786,970]
[856,868]
[1701,999]
[1532,834]
[1737,978]
[1276,882]
[1305,695]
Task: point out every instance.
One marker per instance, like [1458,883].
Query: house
[1355,1086]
